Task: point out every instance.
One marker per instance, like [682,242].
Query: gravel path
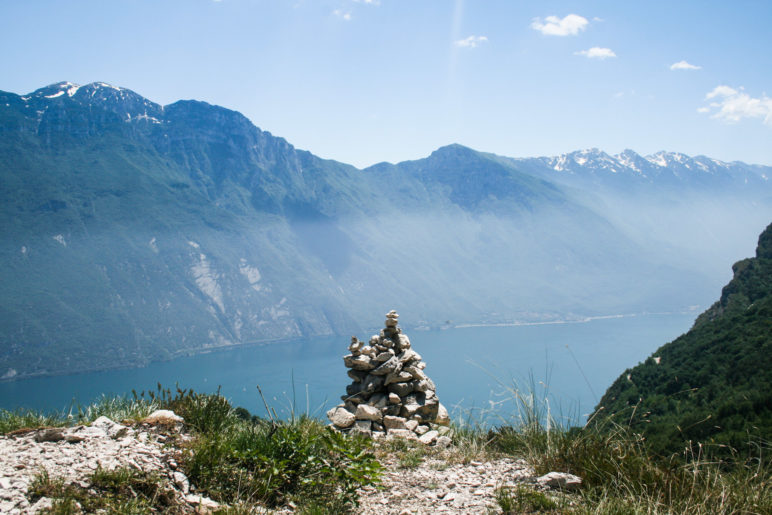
[438,487]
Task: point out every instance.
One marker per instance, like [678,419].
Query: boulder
[367,412]
[560,481]
[429,437]
[113,429]
[361,362]
[391,422]
[341,417]
[163,416]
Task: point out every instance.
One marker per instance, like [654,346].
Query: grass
[522,499]
[245,461]
[620,474]
[115,408]
[121,490]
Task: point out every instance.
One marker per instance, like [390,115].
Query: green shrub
[299,460]
[522,499]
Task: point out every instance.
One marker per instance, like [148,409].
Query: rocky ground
[434,486]
[416,479]
[74,453]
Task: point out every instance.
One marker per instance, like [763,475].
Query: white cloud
[597,53]
[732,105]
[471,41]
[571,25]
[683,65]
[371,2]
[344,15]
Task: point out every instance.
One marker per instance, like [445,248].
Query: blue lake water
[476,369]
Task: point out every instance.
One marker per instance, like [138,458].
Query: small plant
[277,462]
[121,490]
[522,499]
[412,458]
[11,421]
[204,412]
[116,408]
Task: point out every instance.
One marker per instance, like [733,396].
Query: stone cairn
[390,395]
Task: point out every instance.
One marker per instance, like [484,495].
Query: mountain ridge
[154,231]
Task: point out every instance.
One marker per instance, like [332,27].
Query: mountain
[713,385]
[701,212]
[135,232]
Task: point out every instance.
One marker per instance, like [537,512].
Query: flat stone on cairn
[389,394]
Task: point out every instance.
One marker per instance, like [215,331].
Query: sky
[365,81]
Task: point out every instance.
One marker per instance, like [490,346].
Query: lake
[476,369]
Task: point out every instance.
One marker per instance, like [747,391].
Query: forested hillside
[713,385]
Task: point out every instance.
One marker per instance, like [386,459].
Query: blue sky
[387,80]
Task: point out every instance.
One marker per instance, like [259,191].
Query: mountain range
[134,232]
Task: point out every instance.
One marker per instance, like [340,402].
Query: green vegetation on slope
[247,462]
[713,385]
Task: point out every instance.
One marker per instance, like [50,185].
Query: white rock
[341,417]
[163,416]
[560,480]
[429,437]
[181,480]
[443,442]
[113,429]
[366,412]
[443,418]
[391,422]
[204,504]
[421,430]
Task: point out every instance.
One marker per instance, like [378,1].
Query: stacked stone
[390,394]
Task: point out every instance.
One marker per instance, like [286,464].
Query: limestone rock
[341,417]
[360,362]
[391,422]
[391,365]
[429,437]
[113,429]
[560,481]
[443,418]
[443,441]
[398,377]
[401,389]
[163,416]
[367,412]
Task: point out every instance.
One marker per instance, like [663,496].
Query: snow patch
[153,245]
[9,374]
[657,159]
[60,239]
[24,250]
[194,244]
[58,94]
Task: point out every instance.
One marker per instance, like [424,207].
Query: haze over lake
[474,368]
